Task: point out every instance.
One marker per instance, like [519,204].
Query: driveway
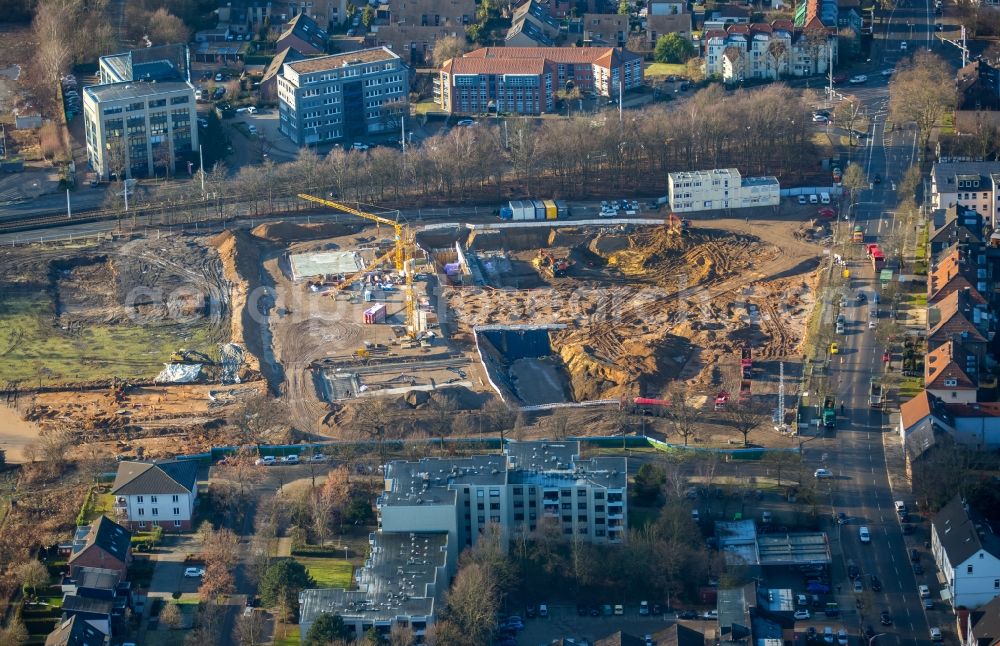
[168,573]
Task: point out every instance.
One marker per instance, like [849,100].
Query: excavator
[547,263]
[402,253]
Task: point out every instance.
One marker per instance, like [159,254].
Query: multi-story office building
[142,117]
[434,508]
[721,188]
[343,96]
[523,80]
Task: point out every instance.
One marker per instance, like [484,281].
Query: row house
[767,51]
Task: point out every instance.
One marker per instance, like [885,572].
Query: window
[495,506]
[138,499]
[582,493]
[581,505]
[581,518]
[598,495]
[175,498]
[178,100]
[494,493]
[518,516]
[142,524]
[177,523]
[518,491]
[481,506]
[968,568]
[996,584]
[567,518]
[177,511]
[156,512]
[142,512]
[152,499]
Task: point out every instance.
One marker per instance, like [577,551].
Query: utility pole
[621,92]
[69,213]
[402,132]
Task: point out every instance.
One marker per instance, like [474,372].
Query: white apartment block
[532,483]
[742,52]
[974,185]
[721,188]
[433,509]
[150,494]
[343,96]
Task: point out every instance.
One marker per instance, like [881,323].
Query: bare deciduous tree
[922,92]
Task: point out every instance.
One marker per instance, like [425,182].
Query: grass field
[328,573]
[424,107]
[665,69]
[291,638]
[910,387]
[33,349]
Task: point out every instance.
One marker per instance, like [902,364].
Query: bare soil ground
[646,306]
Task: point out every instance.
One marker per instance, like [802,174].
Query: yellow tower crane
[402,254]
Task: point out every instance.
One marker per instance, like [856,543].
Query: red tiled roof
[943,363]
[783,23]
[738,28]
[467,65]
[947,277]
[915,410]
[716,33]
[593,55]
[953,319]
[982,409]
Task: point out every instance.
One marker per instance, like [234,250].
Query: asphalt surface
[861,488]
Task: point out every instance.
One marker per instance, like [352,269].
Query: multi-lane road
[861,488]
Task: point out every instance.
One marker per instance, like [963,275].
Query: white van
[824,198]
[813,199]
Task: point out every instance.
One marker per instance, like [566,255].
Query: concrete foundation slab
[308,265]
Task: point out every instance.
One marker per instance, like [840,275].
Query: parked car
[466,123]
[876,584]
[822,473]
[929,604]
[644,608]
[514,622]
[252,129]
[710,614]
[858,79]
[530,612]
[619,609]
[687,614]
[853,571]
[918,569]
[842,637]
[291,459]
[543,610]
[218,77]
[859,587]
[885,618]
[935,634]
[194,572]
[864,535]
[924,591]
[802,614]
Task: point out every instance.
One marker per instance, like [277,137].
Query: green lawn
[290,639]
[948,124]
[909,388]
[917,300]
[665,69]
[102,505]
[328,572]
[425,107]
[33,348]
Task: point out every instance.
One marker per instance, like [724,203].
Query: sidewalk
[895,460]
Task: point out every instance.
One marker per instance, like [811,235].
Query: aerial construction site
[160,341]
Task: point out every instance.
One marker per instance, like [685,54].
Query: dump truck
[829,413]
[859,234]
[875,393]
[721,400]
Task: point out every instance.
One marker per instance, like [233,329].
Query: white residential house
[967,553]
[974,185]
[149,494]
